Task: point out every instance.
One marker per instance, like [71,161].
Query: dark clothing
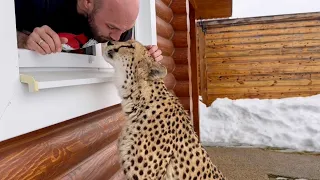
[60,15]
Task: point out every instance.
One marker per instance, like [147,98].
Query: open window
[39,91]
[70,69]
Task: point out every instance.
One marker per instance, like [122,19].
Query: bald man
[38,22]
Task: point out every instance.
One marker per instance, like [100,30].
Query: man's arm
[22,39]
[41,39]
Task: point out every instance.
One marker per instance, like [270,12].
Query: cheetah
[158,140]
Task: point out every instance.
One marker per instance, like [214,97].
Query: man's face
[108,22]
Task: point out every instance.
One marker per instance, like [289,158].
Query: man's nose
[116,35]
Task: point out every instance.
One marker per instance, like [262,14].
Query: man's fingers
[40,42]
[55,38]
[63,40]
[159,58]
[153,49]
[157,53]
[48,41]
[32,45]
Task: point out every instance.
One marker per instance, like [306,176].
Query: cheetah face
[132,62]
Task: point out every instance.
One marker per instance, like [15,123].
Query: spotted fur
[158,140]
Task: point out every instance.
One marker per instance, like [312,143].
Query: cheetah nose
[109,43]
[111,53]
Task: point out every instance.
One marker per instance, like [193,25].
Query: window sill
[28,59]
[38,80]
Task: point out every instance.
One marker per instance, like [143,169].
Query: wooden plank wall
[82,148]
[172,40]
[202,73]
[262,57]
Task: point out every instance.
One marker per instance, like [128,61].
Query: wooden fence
[261,57]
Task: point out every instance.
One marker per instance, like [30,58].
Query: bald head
[123,13]
[110,18]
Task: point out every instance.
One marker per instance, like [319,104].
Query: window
[38,91]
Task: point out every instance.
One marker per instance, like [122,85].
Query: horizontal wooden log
[185,101]
[166,2]
[265,20]
[49,152]
[273,89]
[166,46]
[264,71]
[181,89]
[266,83]
[255,33]
[164,29]
[168,62]
[172,92]
[179,22]
[261,46]
[273,77]
[280,51]
[297,66]
[170,81]
[272,25]
[98,166]
[163,11]
[180,55]
[181,72]
[264,39]
[264,64]
[180,39]
[265,58]
[212,98]
[179,7]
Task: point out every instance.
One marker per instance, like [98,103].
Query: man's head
[109,18]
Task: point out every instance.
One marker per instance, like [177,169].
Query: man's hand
[43,40]
[155,52]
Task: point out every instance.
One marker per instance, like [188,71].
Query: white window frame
[146,28]
[38,91]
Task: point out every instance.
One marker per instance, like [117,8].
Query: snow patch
[289,123]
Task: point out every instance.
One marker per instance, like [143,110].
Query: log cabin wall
[172,40]
[82,148]
[85,147]
[262,57]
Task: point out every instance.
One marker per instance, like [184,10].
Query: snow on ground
[289,123]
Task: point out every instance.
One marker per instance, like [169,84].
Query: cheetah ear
[157,71]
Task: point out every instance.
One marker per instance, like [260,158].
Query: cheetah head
[132,63]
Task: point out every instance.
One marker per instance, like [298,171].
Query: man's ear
[88,4]
[156,71]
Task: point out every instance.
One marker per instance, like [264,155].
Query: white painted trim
[145,28]
[26,112]
[46,79]
[84,81]
[22,112]
[30,59]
